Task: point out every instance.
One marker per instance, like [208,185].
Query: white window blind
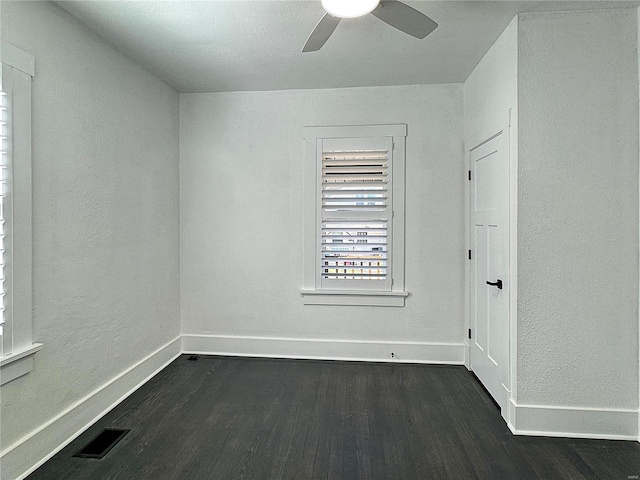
[354,215]
[5,155]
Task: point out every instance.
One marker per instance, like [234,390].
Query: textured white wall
[105,219]
[241,213]
[492,88]
[578,209]
[490,101]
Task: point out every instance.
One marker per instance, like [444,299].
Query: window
[354,215]
[16,346]
[5,219]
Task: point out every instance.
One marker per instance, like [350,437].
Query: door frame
[510,129]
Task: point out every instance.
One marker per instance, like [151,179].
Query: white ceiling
[233,45]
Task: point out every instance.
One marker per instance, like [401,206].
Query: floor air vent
[102,443]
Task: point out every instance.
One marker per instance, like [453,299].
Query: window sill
[18,363]
[355,298]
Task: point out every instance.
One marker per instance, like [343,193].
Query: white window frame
[18,347]
[312,292]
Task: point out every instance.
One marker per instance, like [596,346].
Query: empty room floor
[251,418]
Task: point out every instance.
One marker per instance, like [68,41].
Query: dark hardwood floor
[249,418]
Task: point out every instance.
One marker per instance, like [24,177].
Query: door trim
[474,141]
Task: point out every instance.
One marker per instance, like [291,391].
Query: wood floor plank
[250,418]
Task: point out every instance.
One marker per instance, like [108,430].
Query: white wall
[491,90]
[241,223]
[105,229]
[571,82]
[490,103]
[578,210]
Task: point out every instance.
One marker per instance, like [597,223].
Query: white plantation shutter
[5,156]
[16,305]
[356,214]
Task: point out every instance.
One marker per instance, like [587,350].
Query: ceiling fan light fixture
[349,8]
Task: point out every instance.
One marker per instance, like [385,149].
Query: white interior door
[489,282]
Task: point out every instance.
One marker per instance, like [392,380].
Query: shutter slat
[351,241]
[353,187]
[368,224]
[354,233]
[354,203]
[354,171]
[355,263]
[356,255]
[360,179]
[361,193]
[357,164]
[340,249]
[341,274]
[359,196]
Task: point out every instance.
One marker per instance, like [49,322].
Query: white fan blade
[321,33]
[405,18]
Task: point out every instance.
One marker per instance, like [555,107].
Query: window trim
[311,292]
[19,361]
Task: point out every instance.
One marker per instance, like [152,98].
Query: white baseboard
[26,455]
[467,355]
[315,349]
[550,421]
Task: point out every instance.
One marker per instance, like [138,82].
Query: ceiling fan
[397,14]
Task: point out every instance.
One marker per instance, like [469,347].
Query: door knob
[498,283]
